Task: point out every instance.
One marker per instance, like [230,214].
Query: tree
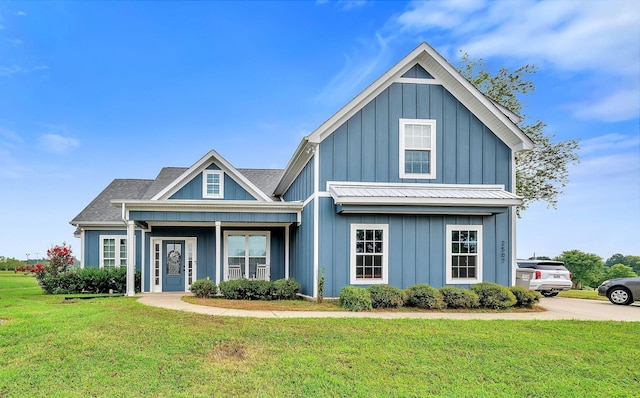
[619,271]
[542,173]
[615,259]
[587,268]
[629,261]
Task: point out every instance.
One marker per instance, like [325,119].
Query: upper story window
[417,148]
[213,184]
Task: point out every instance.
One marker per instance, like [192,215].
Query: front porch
[180,245]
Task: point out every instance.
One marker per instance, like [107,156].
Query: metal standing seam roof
[369,193]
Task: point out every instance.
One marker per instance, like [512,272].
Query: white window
[464,254]
[417,148]
[113,251]
[213,184]
[246,252]
[369,253]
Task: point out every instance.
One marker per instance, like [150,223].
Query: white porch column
[218,249]
[131,258]
[286,252]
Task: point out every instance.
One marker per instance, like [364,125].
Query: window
[113,251]
[244,252]
[464,254]
[369,253]
[213,184]
[417,148]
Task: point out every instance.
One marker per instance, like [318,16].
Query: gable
[417,72]
[193,190]
[366,147]
[424,57]
[186,185]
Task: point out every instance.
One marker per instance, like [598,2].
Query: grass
[117,347]
[582,294]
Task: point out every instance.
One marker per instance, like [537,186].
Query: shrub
[385,296]
[87,280]
[203,288]
[355,298]
[492,295]
[525,297]
[246,289]
[455,297]
[424,296]
[285,289]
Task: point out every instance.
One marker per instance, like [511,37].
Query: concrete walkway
[557,308]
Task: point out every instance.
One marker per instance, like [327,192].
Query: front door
[173,266]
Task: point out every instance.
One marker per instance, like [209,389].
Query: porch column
[218,249]
[131,258]
[286,251]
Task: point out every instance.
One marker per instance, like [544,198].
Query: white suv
[545,276]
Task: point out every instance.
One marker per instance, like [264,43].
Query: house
[412,181]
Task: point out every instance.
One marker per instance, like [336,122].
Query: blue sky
[92,91]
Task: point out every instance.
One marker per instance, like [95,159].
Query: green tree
[619,271]
[615,259]
[630,261]
[587,268]
[542,173]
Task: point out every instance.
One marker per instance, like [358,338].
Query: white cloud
[597,37]
[58,144]
[610,142]
[20,13]
[9,70]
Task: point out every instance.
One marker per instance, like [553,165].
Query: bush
[246,289]
[385,296]
[424,296]
[492,295]
[525,297]
[203,288]
[455,297]
[285,289]
[87,280]
[355,298]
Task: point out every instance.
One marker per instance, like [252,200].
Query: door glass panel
[174,258]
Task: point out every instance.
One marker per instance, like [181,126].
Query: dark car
[621,291]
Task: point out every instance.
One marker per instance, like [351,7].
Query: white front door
[173,264]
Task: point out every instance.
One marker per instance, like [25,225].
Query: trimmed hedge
[424,296]
[492,295]
[455,297]
[88,280]
[203,288]
[385,296]
[355,298]
[525,297]
[251,289]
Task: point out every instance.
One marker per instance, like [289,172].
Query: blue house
[412,181]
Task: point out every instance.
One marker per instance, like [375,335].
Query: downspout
[131,245]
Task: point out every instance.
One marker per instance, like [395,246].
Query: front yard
[115,347]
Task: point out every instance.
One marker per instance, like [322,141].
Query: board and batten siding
[91,249]
[416,246]
[366,147]
[193,189]
[301,251]
[302,186]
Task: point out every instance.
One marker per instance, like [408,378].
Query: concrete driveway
[557,308]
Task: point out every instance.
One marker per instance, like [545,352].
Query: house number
[503,252]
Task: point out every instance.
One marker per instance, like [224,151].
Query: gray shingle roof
[264,179]
[101,210]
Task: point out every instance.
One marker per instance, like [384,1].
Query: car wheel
[549,294]
[620,296]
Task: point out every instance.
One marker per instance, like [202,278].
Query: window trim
[220,194]
[385,255]
[402,149]
[118,259]
[450,280]
[247,255]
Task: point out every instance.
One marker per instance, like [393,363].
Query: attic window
[213,184]
[417,148]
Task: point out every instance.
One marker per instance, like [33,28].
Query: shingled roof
[100,210]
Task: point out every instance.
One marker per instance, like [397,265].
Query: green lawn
[583,294]
[116,347]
